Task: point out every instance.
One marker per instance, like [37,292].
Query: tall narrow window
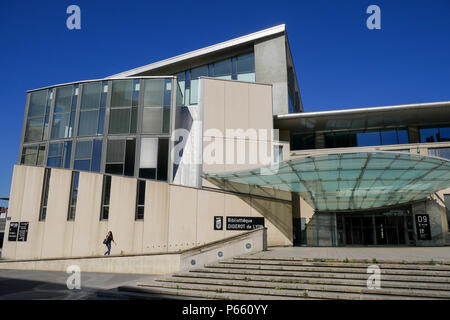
[140,200]
[64,115]
[120,157]
[106,193]
[73,196]
[44,197]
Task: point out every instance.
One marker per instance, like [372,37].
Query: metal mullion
[22,136]
[106,126]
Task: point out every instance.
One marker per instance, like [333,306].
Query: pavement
[32,284]
[395,254]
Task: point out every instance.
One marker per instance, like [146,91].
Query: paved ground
[25,284]
[409,254]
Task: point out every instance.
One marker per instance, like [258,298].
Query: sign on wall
[13,227]
[244,223]
[218,223]
[23,231]
[423,227]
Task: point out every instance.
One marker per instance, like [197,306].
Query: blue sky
[339,62]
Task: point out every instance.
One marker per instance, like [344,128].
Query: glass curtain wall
[240,68]
[116,127]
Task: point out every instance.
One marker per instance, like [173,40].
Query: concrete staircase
[257,278]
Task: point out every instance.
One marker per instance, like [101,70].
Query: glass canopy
[351,181]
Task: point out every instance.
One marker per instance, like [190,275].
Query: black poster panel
[23,231]
[423,227]
[244,223]
[218,223]
[12,235]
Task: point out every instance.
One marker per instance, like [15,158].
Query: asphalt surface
[51,285]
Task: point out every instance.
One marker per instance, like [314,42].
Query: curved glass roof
[352,181]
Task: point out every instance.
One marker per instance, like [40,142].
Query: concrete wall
[271,67]
[176,217]
[231,105]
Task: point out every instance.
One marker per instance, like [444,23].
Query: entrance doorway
[392,227]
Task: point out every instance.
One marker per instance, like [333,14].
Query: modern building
[201,146]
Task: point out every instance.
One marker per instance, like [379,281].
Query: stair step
[263,266]
[299,262]
[309,287]
[272,293]
[307,274]
[308,280]
[198,294]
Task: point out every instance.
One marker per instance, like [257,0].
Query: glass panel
[167,92]
[114,168]
[96,155]
[163,150]
[60,128]
[428,134]
[115,151]
[82,165]
[91,95]
[444,134]
[368,139]
[122,93]
[41,155]
[83,150]
[33,131]
[249,77]
[55,149]
[402,136]
[38,100]
[67,153]
[222,68]
[129,157]
[246,63]
[88,123]
[29,155]
[119,121]
[54,162]
[149,147]
[154,92]
[63,99]
[152,120]
[389,137]
[101,121]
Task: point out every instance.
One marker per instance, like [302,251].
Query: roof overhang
[204,51]
[350,181]
[419,114]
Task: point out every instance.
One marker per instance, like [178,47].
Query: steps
[285,278]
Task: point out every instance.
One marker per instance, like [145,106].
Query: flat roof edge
[438,104]
[199,52]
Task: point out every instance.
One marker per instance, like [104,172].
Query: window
[73,196]
[154,158]
[222,69]
[246,67]
[195,74]
[440,152]
[106,194]
[88,155]
[59,154]
[36,128]
[92,111]
[33,155]
[157,101]
[124,102]
[120,156]
[64,114]
[44,196]
[345,139]
[303,141]
[140,200]
[439,134]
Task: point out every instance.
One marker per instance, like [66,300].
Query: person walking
[109,238]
